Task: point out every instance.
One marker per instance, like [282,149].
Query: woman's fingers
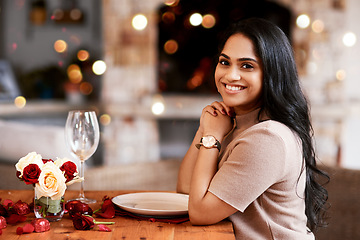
[210,109]
[224,109]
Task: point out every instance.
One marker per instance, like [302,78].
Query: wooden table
[125,228]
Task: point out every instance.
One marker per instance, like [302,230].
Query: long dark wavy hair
[284,101]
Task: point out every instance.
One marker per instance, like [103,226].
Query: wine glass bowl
[82,136]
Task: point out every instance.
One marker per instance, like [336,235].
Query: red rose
[107,209]
[31,174]
[47,160]
[80,208]
[70,169]
[21,208]
[3,211]
[82,222]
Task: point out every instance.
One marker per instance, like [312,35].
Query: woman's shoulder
[273,129]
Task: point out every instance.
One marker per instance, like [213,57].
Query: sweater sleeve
[254,162]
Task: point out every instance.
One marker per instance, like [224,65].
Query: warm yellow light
[303,21]
[196,19]
[86,88]
[208,21]
[171,2]
[105,119]
[139,22]
[74,73]
[99,67]
[60,46]
[349,39]
[158,108]
[20,102]
[317,26]
[341,75]
[83,55]
[171,46]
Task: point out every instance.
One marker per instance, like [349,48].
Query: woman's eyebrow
[239,59]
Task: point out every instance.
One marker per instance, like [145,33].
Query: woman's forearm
[187,166]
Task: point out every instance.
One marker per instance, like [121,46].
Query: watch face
[208,141]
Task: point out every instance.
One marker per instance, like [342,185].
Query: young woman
[252,158]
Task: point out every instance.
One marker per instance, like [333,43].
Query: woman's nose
[233,74]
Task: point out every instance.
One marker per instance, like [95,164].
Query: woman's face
[239,75]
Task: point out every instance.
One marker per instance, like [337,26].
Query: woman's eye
[247,66]
[223,62]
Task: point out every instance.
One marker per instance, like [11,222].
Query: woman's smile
[233,88]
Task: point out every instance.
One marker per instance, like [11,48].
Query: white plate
[153,203]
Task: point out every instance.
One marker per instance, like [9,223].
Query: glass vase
[52,210]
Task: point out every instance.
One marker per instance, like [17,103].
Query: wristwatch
[209,142]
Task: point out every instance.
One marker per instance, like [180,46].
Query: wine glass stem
[82,195]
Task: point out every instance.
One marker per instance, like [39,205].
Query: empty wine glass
[82,137]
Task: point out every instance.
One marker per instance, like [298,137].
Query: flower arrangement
[50,178]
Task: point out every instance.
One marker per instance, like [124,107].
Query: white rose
[30,158]
[51,182]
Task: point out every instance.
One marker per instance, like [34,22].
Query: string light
[60,46]
[139,22]
[340,74]
[105,119]
[317,26]
[208,21]
[83,55]
[171,46]
[196,19]
[20,102]
[303,21]
[99,67]
[349,39]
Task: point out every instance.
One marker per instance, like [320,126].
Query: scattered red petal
[41,224]
[104,228]
[28,228]
[14,218]
[8,203]
[19,231]
[2,222]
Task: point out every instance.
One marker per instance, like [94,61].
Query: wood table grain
[125,228]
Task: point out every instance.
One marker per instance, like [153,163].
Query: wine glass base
[85,200]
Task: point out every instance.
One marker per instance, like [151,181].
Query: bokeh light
[75,14]
[20,102]
[99,67]
[86,88]
[74,73]
[196,19]
[171,2]
[168,17]
[303,21]
[317,26]
[60,46]
[158,108]
[340,74]
[171,46]
[139,22]
[349,39]
[105,119]
[208,21]
[83,55]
